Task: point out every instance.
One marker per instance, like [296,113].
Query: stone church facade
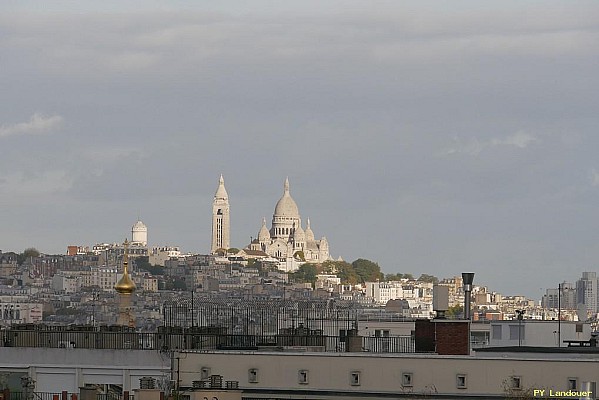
[286,237]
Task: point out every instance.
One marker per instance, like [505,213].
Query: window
[572,383]
[496,332]
[253,375]
[516,382]
[302,376]
[514,335]
[461,382]
[354,378]
[406,379]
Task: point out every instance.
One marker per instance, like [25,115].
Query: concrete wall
[384,374]
[539,333]
[55,370]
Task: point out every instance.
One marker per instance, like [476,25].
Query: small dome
[309,233]
[263,234]
[139,226]
[299,235]
[286,205]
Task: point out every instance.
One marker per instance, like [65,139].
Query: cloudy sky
[430,136]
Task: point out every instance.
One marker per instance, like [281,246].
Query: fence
[63,396]
[254,317]
[202,339]
[42,396]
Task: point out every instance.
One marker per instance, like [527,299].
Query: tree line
[358,271]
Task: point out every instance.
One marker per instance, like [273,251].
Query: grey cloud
[37,124]
[359,105]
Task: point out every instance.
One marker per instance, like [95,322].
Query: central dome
[286,206]
[139,226]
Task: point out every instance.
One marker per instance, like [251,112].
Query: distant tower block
[221,223]
[139,233]
[125,288]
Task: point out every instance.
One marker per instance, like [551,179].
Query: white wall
[383,373]
[55,370]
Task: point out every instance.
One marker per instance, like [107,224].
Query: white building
[67,282]
[528,332]
[102,277]
[19,310]
[139,233]
[286,237]
[382,292]
[159,255]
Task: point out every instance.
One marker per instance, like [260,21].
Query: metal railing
[201,339]
[40,396]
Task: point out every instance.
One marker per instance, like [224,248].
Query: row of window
[517,332]
[407,379]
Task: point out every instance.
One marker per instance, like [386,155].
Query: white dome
[299,235]
[286,206]
[309,233]
[263,234]
[139,227]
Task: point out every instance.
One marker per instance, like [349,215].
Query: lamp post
[467,279]
[559,315]
[520,314]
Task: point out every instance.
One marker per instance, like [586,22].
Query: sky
[431,137]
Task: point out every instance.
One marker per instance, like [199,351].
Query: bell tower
[221,223]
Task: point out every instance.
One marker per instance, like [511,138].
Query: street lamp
[559,315]
[520,314]
[467,279]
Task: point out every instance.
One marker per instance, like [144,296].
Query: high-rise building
[563,297]
[586,291]
[221,222]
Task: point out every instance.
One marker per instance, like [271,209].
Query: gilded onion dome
[125,285]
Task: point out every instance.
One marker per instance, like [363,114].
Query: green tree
[28,253]
[367,271]
[347,273]
[143,263]
[428,278]
[306,273]
[394,277]
[455,311]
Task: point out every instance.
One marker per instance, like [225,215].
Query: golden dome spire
[125,285]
